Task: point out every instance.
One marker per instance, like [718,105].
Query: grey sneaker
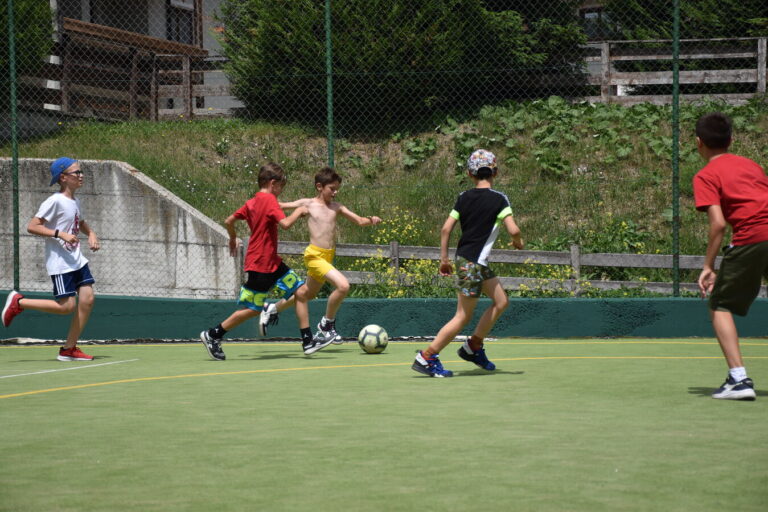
[269,316]
[317,343]
[328,331]
[213,346]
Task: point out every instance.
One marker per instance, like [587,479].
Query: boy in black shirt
[481,211]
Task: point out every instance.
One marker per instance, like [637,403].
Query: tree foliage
[33,39]
[703,19]
[392,59]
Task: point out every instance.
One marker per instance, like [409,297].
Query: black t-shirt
[480,212]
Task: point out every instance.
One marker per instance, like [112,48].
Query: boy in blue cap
[59,219]
[481,212]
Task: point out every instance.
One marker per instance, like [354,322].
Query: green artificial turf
[576,425]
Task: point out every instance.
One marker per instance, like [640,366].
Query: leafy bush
[393,62]
[32,20]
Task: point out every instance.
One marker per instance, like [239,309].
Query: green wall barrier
[128,318]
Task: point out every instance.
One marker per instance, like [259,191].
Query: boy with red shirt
[732,190]
[265,268]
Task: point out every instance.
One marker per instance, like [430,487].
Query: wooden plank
[731,98]
[131,38]
[761,65]
[176,91]
[686,77]
[684,56]
[133,86]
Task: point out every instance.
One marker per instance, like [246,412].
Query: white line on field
[66,369]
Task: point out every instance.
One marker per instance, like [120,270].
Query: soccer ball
[373,339]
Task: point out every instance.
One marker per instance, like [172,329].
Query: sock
[306,335]
[428,353]
[327,322]
[217,332]
[475,343]
[738,374]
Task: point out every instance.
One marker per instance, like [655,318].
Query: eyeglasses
[73,173]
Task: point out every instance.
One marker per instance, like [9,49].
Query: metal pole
[329,80]
[14,141]
[676,149]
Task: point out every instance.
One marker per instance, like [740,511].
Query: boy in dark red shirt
[732,190]
[265,268]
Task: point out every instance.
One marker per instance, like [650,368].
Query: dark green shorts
[470,277]
[739,278]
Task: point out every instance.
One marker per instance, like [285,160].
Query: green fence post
[14,140]
[676,149]
[329,80]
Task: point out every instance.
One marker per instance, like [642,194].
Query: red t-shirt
[740,187]
[262,213]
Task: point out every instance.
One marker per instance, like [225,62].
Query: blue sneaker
[432,366]
[732,390]
[478,357]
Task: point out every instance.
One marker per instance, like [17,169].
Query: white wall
[153,243]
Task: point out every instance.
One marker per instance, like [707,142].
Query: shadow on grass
[473,373]
[481,373]
[707,392]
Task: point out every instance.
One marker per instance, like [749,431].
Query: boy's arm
[445,236]
[288,221]
[293,204]
[37,227]
[717,225]
[514,232]
[93,240]
[234,242]
[360,221]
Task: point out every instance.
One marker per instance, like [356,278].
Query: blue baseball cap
[60,165]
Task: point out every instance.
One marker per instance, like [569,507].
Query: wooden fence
[611,53]
[575,259]
[107,73]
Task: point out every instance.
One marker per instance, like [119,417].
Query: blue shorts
[254,292]
[66,285]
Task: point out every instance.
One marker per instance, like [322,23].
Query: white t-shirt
[62,213]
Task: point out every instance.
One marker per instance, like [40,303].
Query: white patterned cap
[481,158]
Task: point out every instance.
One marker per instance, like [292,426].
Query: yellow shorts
[318,262]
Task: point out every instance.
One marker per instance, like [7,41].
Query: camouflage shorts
[470,277]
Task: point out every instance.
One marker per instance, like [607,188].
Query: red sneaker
[11,308]
[73,354]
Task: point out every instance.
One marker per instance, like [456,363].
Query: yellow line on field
[742,342]
[278,370]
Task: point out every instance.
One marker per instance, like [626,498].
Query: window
[180,17]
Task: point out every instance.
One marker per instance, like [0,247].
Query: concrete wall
[153,244]
[124,318]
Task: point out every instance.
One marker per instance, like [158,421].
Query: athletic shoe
[732,390]
[432,366]
[476,356]
[73,354]
[328,331]
[213,346]
[317,343]
[269,316]
[11,308]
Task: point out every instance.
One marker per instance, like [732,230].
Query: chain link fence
[574,97]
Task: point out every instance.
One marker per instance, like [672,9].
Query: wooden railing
[106,73]
[575,259]
[609,79]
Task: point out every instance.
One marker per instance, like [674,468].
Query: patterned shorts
[470,277]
